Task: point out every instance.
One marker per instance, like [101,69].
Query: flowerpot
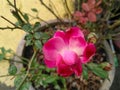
[21,49]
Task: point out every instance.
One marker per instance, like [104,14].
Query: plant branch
[29,66]
[9,75]
[10,22]
[50,10]
[68,8]
[55,8]
[14,61]
[117,23]
[5,28]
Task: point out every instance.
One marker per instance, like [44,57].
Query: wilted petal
[98,10]
[77,15]
[88,53]
[99,2]
[85,7]
[92,16]
[91,3]
[77,44]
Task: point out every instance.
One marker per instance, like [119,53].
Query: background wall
[11,39]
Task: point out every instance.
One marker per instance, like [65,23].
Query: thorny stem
[50,10]
[29,66]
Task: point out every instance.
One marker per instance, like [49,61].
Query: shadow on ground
[4,87]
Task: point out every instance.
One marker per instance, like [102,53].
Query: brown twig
[68,8]
[10,22]
[50,10]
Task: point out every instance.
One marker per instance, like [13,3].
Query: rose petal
[88,53]
[92,16]
[85,7]
[91,3]
[77,44]
[59,33]
[52,47]
[50,63]
[63,69]
[77,15]
[74,31]
[69,57]
[99,2]
[77,68]
[98,10]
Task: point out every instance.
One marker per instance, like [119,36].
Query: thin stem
[14,61]
[9,21]
[29,66]
[50,10]
[9,75]
[68,8]
[12,28]
[55,8]
[25,59]
[17,11]
[117,23]
[37,17]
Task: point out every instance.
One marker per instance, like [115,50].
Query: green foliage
[12,70]
[85,72]
[34,10]
[26,86]
[4,52]
[18,80]
[97,70]
[26,17]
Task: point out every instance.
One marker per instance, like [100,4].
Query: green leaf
[17,81]
[34,10]
[27,27]
[104,64]
[25,86]
[37,35]
[85,73]
[26,17]
[28,42]
[97,70]
[12,70]
[50,79]
[38,44]
[1,57]
[45,36]
[36,25]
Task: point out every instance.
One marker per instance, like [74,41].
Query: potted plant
[66,54]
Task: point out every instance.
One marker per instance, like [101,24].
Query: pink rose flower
[80,17]
[91,7]
[67,51]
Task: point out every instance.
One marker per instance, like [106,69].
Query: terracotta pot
[105,86]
